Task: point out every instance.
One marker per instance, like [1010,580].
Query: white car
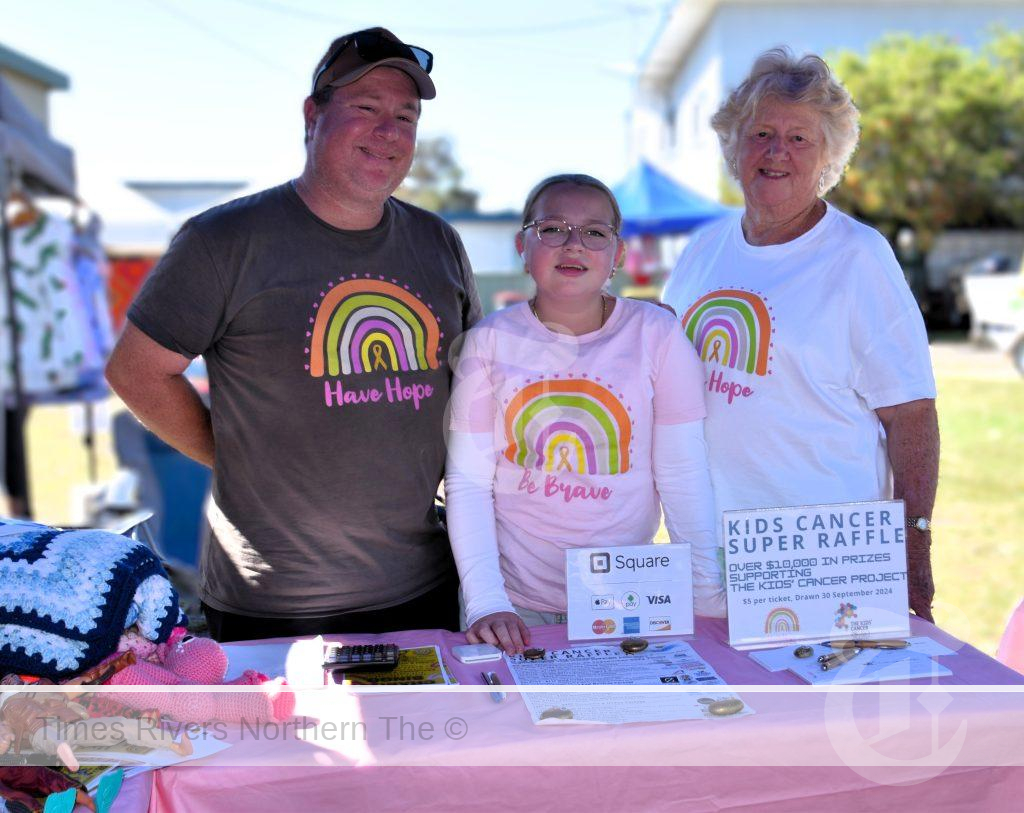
[997,312]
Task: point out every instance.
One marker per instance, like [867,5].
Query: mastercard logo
[604,626]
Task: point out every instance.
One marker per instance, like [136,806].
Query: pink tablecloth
[946,750]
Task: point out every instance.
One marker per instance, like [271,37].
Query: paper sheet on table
[667,664]
[270,659]
[871,665]
[775,660]
[203,745]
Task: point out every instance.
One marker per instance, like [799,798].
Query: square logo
[600,563]
[631,625]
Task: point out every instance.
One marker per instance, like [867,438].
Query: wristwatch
[922,524]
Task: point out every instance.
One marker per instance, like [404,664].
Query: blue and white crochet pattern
[67,596]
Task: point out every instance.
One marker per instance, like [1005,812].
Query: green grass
[976,550]
[979,515]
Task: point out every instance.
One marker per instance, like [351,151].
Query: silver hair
[779,74]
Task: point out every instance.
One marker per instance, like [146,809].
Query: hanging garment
[51,347]
[91,274]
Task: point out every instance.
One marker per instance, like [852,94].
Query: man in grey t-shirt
[325,310]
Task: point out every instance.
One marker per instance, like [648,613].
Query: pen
[491,679]
[838,658]
[884,644]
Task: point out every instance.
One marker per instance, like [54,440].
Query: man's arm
[912,433]
[149,379]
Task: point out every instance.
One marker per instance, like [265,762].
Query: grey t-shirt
[327,353]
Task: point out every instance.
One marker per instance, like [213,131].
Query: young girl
[573,415]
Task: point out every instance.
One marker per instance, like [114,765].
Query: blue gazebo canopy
[653,203]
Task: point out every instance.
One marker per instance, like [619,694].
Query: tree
[435,179]
[942,135]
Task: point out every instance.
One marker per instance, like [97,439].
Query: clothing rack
[15,454]
[31,160]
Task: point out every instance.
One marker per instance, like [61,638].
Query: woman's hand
[503,630]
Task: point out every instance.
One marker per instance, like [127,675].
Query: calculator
[361,658]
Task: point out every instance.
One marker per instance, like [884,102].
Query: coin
[633,645]
[803,651]
[534,654]
[556,714]
[707,701]
[723,708]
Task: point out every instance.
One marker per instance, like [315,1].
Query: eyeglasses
[554,233]
[374,47]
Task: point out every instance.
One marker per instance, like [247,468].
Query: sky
[213,89]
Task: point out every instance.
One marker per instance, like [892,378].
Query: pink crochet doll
[187,661]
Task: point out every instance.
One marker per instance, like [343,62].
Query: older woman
[811,340]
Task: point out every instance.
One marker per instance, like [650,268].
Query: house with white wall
[706,48]
[31,81]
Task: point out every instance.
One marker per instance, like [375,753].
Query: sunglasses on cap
[372,46]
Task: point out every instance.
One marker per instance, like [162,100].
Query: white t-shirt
[801,342]
[572,420]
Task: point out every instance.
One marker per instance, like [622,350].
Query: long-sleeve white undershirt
[681,478]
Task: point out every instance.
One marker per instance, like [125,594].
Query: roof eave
[672,47]
[27,66]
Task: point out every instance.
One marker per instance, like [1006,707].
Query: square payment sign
[637,590]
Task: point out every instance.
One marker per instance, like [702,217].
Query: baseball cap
[354,55]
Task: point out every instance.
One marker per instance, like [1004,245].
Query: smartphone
[476,653]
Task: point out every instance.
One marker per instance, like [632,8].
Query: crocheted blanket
[67,596]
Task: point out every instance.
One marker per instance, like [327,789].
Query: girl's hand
[503,630]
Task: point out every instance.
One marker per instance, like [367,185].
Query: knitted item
[202,661]
[198,660]
[66,597]
[274,702]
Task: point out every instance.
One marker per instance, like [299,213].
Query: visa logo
[659,599]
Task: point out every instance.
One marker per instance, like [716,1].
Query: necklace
[604,310]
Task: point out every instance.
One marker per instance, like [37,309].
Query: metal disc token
[556,714]
[633,645]
[707,701]
[723,708]
[534,654]
[803,651]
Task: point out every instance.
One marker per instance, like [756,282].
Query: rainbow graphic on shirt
[781,620]
[364,325]
[731,327]
[568,425]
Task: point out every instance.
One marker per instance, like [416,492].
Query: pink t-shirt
[573,420]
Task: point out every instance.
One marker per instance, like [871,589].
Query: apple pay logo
[600,563]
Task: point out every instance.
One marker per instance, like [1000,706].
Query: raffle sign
[816,572]
[636,590]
